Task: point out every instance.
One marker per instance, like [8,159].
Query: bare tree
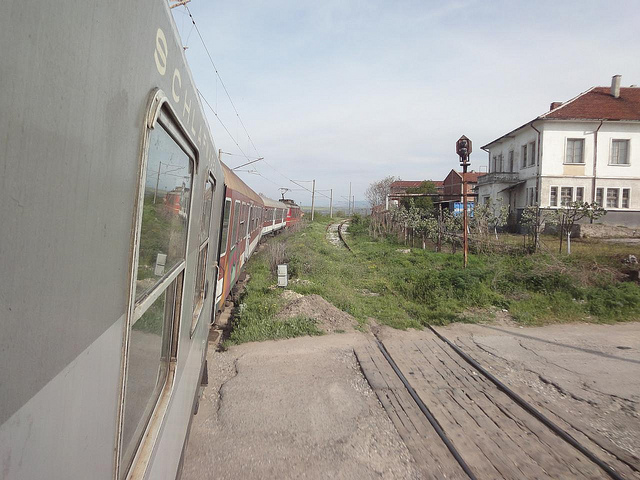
[377,192]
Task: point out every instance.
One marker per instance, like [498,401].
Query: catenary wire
[195,25]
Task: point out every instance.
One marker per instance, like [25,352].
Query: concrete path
[297,408]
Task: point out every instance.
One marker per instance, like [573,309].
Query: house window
[553,197]
[500,163]
[532,153]
[599,196]
[620,152]
[626,193]
[580,194]
[612,197]
[575,147]
[495,163]
[566,196]
[524,156]
[510,160]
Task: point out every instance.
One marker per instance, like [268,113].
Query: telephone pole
[313,199]
[349,209]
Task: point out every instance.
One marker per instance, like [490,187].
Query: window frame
[566,151]
[224,241]
[571,191]
[532,154]
[581,194]
[627,156]
[523,151]
[600,190]
[622,198]
[553,188]
[618,197]
[158,112]
[234,230]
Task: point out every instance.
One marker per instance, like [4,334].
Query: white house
[586,149]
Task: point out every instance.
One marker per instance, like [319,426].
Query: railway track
[341,233]
[459,421]
[336,233]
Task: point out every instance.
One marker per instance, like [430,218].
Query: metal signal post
[463,149]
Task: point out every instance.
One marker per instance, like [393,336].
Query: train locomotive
[122,234]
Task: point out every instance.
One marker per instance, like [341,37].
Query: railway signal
[463,149]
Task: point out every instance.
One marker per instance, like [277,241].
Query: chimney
[615,86]
[555,105]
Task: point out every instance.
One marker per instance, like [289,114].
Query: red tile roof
[406,183]
[598,104]
[472,176]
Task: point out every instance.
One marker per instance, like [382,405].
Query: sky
[354,91]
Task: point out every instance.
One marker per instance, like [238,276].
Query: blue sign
[457,209]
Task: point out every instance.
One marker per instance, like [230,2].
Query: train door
[156,290]
[202,270]
[224,249]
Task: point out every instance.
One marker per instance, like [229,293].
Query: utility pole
[313,199]
[155,194]
[349,209]
[331,204]
[353,204]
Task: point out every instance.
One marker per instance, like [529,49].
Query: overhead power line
[195,25]
[220,78]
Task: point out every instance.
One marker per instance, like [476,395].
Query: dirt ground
[329,318]
[301,408]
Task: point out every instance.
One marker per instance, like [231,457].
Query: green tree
[422,203]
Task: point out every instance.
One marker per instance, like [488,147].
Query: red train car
[294,212]
[242,221]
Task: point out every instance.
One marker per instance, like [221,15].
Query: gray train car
[109,223]
[275,215]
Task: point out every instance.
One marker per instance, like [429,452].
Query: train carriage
[241,231]
[275,215]
[112,196]
[294,212]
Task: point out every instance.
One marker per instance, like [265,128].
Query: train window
[243,213]
[225,226]
[236,223]
[163,223]
[167,194]
[247,215]
[201,270]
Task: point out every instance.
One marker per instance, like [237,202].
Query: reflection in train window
[167,195]
[161,254]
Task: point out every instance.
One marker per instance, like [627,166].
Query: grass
[421,287]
